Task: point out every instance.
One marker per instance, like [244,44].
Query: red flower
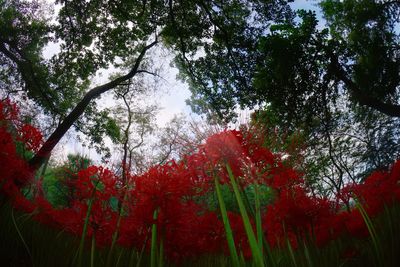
[30,136]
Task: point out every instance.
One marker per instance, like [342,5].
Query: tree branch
[25,67]
[80,108]
[361,97]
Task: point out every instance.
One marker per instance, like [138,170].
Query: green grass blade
[119,258]
[270,257]
[115,234]
[260,233]
[85,225]
[243,260]
[228,229]
[161,254]
[307,255]
[82,242]
[153,252]
[246,221]
[132,255]
[92,251]
[20,235]
[371,230]
[139,260]
[291,253]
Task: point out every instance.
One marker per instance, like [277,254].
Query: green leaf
[228,230]
[257,254]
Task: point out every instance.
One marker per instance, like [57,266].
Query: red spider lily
[8,111]
[200,230]
[14,171]
[162,188]
[71,219]
[102,223]
[355,224]
[20,202]
[381,188]
[350,253]
[281,178]
[177,191]
[30,136]
[295,212]
[192,233]
[225,148]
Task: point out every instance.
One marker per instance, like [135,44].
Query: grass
[227,226]
[24,242]
[255,249]
[28,243]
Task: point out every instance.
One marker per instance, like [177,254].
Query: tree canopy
[96,34]
[336,81]
[292,63]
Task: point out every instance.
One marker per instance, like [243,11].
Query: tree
[23,36]
[339,84]
[181,137]
[96,34]
[336,83]
[63,77]
[137,123]
[293,64]
[220,76]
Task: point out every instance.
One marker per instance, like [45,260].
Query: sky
[305,4]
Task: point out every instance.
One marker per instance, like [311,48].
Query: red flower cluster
[178,191]
[30,136]
[14,171]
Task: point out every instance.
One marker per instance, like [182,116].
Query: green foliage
[97,125]
[24,32]
[331,83]
[21,150]
[220,68]
[57,181]
[292,63]
[265,195]
[228,229]
[255,248]
[366,31]
[93,35]
[153,251]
